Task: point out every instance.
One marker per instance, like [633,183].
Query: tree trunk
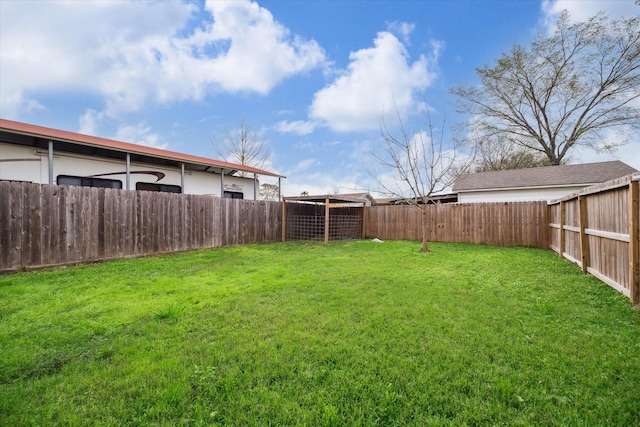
[425,229]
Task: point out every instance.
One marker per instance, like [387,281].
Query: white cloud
[580,10]
[134,134]
[139,134]
[31,105]
[628,153]
[261,52]
[376,79]
[131,53]
[298,127]
[304,165]
[303,145]
[403,29]
[321,184]
[89,122]
[63,46]
[345,174]
[331,143]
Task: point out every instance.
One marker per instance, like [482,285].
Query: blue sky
[311,78]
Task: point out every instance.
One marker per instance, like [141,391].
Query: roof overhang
[190,161]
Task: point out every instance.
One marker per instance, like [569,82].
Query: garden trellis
[324,217]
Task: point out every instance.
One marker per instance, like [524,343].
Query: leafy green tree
[563,91]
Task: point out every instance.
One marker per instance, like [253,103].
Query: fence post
[284,220]
[563,214]
[634,244]
[584,239]
[326,220]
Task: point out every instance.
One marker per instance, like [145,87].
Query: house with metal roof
[543,183]
[44,155]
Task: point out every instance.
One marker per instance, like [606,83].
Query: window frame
[87,181]
[233,195]
[160,188]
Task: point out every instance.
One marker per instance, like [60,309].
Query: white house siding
[516,195]
[209,183]
[19,163]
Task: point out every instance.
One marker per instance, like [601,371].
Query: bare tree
[421,164]
[269,192]
[494,154]
[244,147]
[562,91]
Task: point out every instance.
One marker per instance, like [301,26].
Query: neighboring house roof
[125,147]
[547,176]
[436,198]
[358,198]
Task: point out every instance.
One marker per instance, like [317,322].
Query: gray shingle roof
[587,173]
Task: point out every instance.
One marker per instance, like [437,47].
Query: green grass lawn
[353,333]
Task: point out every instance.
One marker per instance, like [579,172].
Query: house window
[165,188]
[82,181]
[233,195]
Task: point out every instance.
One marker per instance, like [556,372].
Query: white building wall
[209,183]
[18,163]
[517,195]
[22,164]
[243,185]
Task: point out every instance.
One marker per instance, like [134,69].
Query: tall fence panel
[597,228]
[502,224]
[42,225]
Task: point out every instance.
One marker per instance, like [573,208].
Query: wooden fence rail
[43,225]
[597,228]
[500,224]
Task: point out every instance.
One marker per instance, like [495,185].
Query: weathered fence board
[597,228]
[42,225]
[501,224]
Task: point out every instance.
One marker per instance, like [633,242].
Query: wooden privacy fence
[47,225]
[597,228]
[500,224]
